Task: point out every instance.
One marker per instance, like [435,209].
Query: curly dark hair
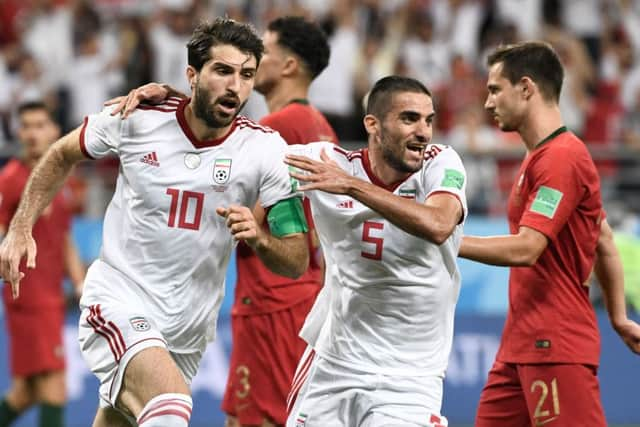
[222,31]
[305,39]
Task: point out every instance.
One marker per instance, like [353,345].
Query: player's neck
[382,170]
[539,125]
[283,94]
[200,128]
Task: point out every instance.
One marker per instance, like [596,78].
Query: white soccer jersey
[161,230]
[389,297]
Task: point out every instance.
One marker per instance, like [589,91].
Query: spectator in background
[35,322]
[169,35]
[47,25]
[425,58]
[332,91]
[630,132]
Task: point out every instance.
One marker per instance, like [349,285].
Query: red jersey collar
[189,133]
[366,164]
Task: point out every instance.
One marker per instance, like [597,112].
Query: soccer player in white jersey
[389,218]
[190,170]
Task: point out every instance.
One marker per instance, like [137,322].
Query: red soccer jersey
[258,290]
[550,318]
[41,287]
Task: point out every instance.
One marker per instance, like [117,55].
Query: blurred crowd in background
[75,54]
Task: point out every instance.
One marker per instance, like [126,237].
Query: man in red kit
[545,372]
[269,309]
[35,321]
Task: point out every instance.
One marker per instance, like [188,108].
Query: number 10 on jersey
[181,200]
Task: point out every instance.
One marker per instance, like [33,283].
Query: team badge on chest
[221,170]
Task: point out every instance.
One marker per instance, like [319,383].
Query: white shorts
[111,333]
[324,393]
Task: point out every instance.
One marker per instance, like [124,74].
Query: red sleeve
[9,200]
[555,192]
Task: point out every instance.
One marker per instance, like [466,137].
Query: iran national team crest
[221,171]
[301,420]
[139,324]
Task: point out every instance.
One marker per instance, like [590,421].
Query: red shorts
[553,395]
[264,355]
[35,339]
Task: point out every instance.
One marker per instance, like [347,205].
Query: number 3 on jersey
[367,237]
[184,202]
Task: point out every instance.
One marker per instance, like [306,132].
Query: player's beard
[393,154]
[205,110]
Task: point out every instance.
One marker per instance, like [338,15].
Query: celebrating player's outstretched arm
[433,220]
[45,181]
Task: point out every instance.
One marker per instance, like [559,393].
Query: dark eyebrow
[409,114]
[414,115]
[226,66]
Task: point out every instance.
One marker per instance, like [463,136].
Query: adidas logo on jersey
[150,159]
[347,204]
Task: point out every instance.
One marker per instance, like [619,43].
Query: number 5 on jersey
[368,229]
[182,203]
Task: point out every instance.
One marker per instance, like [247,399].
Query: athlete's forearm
[287,256]
[421,220]
[45,180]
[610,274]
[514,250]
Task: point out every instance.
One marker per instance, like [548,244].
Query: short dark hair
[222,31]
[35,106]
[534,59]
[378,99]
[304,38]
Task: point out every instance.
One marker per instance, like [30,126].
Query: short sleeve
[100,134]
[555,193]
[275,182]
[446,174]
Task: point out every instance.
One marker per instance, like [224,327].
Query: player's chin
[413,165]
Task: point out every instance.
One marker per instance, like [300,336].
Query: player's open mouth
[228,105]
[417,148]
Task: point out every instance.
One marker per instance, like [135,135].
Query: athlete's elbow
[299,267]
[526,258]
[440,232]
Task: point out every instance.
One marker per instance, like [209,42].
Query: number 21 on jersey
[180,202]
[371,229]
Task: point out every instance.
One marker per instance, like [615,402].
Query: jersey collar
[189,133]
[366,164]
[560,130]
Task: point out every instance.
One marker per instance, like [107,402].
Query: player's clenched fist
[242,224]
[13,248]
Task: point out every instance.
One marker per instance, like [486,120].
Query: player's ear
[290,67]
[527,87]
[192,76]
[371,124]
